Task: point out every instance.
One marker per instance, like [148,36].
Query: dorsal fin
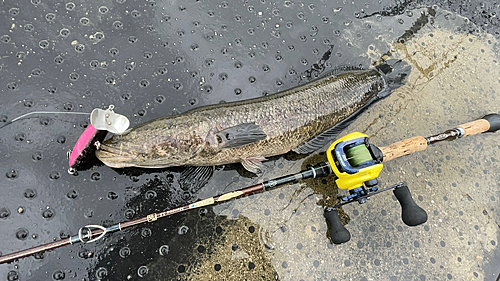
[322,139]
[340,69]
[329,135]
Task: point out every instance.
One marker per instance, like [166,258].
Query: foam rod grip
[338,233]
[412,214]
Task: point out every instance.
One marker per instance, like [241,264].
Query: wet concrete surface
[155,58]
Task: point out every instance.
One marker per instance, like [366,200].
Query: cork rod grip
[475,127]
[404,147]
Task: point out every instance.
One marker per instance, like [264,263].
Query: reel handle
[338,233]
[411,214]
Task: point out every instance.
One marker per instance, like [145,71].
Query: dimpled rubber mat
[157,58]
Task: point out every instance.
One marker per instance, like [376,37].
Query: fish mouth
[114,157]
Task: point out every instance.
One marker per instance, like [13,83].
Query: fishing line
[358,154]
[41,112]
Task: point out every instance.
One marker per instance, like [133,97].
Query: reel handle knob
[338,233]
[411,214]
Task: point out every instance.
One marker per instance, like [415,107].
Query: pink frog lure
[101,122]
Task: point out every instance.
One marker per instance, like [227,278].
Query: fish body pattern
[303,119]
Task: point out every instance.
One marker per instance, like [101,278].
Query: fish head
[165,142]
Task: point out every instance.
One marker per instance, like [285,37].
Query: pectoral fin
[253,164]
[240,135]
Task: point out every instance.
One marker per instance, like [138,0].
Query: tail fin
[395,72]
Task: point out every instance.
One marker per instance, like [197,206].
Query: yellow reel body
[352,162]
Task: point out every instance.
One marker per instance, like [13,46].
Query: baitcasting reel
[357,164]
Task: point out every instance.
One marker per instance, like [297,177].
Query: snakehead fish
[302,119]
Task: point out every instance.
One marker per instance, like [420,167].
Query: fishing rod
[355,163]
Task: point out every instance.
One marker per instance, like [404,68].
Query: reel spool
[357,165]
[354,161]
